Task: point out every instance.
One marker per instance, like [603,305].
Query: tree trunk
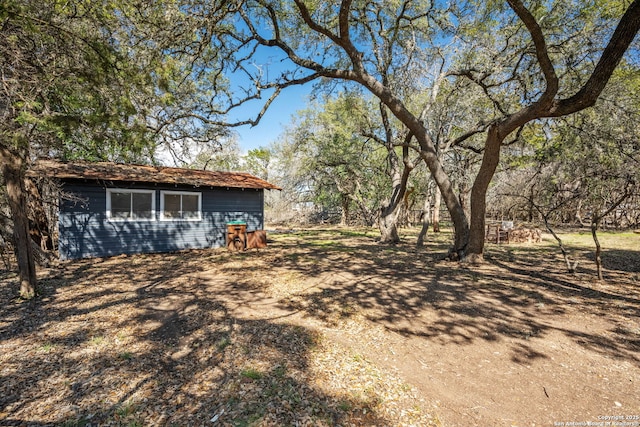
[530,207]
[545,106]
[597,217]
[390,211]
[463,196]
[488,167]
[428,153]
[404,219]
[38,221]
[578,214]
[571,268]
[344,217]
[450,198]
[451,201]
[426,215]
[594,233]
[13,172]
[437,202]
[388,225]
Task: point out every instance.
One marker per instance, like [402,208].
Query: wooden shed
[111,209]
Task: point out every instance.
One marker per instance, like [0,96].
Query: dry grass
[301,333]
[174,339]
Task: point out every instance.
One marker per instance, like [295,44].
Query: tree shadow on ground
[157,339]
[517,295]
[145,341]
[618,260]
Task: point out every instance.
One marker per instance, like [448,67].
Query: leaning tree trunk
[428,153]
[458,217]
[488,167]
[390,211]
[451,201]
[13,172]
[437,202]
[571,268]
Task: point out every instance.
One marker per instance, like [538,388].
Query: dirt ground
[327,327]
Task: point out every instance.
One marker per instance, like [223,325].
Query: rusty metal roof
[107,171]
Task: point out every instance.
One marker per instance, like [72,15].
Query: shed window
[130,205]
[180,205]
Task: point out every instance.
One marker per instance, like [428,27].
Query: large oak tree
[370,44]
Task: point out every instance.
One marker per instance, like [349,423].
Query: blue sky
[272,62]
[274,121]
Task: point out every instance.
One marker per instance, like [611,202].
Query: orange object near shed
[256,239]
[237,235]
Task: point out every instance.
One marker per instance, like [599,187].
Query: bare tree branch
[622,37]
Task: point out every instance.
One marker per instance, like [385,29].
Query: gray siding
[85,232]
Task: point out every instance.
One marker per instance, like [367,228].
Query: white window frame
[181,193]
[127,190]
